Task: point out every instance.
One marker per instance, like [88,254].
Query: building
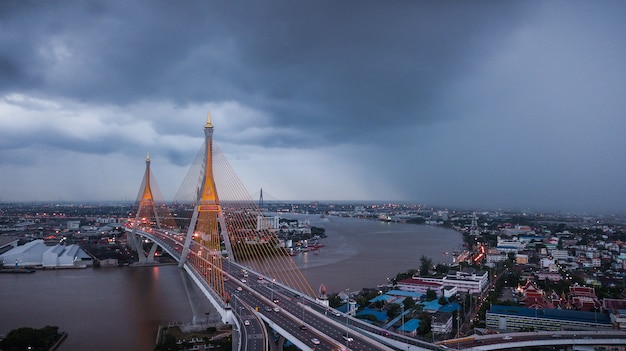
[441,322]
[521,259]
[418,285]
[617,312]
[494,256]
[265,222]
[510,245]
[560,255]
[513,319]
[409,328]
[468,280]
[37,254]
[73,225]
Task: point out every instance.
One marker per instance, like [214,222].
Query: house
[441,322]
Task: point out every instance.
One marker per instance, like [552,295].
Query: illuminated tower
[203,234]
[146,210]
[151,212]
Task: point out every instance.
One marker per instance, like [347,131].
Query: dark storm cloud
[335,68]
[493,103]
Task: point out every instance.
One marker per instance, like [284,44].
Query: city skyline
[468,105]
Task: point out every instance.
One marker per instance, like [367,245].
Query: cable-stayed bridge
[218,234]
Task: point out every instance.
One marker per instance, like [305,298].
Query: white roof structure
[37,253]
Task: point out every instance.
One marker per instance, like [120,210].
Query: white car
[507,338]
[315,341]
[246,322]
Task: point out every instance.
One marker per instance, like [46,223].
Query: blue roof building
[383,297]
[381,316]
[431,306]
[513,318]
[412,294]
[451,307]
[410,327]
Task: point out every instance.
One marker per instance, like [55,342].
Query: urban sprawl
[516,271]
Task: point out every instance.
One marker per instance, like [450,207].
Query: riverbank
[17,270]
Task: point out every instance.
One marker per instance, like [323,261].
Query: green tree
[442,268]
[405,275]
[425,325]
[408,303]
[425,266]
[393,310]
[431,295]
[30,339]
[168,343]
[334,300]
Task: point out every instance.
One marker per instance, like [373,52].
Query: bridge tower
[150,212]
[203,235]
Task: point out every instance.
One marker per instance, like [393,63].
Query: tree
[393,310]
[442,268]
[168,343]
[334,300]
[408,303]
[425,265]
[425,325]
[430,295]
[30,339]
[405,275]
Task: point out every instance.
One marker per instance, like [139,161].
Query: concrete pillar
[150,258]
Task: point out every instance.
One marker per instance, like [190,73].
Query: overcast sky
[460,104]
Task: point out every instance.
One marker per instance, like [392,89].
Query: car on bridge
[315,341]
[246,322]
[347,338]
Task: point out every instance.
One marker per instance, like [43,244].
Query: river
[121,308]
[362,253]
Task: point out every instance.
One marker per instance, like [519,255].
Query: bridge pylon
[203,234]
[150,211]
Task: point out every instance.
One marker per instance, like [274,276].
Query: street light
[402,316]
[302,305]
[348,313]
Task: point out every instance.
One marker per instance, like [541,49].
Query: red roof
[413,281]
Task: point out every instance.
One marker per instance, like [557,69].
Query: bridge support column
[150,258]
[141,254]
[131,240]
[280,343]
